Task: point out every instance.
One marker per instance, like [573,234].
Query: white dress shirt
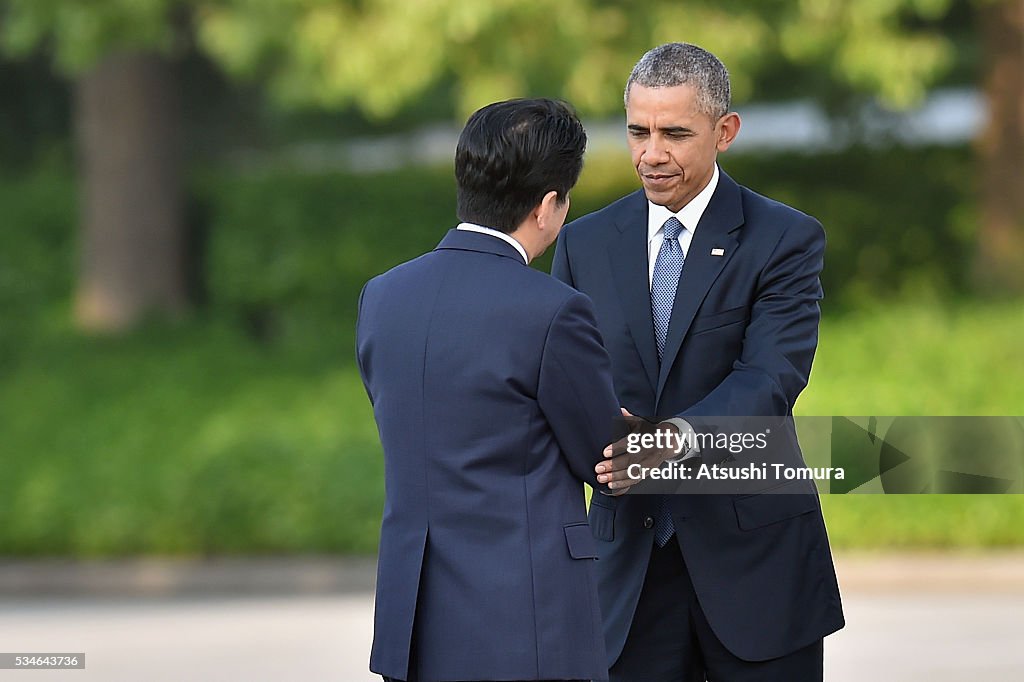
[470,227]
[688,215]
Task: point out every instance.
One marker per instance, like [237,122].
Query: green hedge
[36,246]
[287,245]
[898,221]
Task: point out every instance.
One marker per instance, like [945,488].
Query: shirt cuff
[690,449]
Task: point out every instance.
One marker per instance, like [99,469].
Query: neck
[531,249]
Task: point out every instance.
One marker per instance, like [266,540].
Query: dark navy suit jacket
[493,396]
[740,343]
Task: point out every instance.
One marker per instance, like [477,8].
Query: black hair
[511,154]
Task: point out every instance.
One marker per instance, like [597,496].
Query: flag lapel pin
[717,252]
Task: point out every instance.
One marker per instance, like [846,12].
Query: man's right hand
[613,471]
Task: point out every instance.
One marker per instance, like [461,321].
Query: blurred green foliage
[919,358]
[283,244]
[36,247]
[382,54]
[288,250]
[246,429]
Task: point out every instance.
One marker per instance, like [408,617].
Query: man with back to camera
[706,296]
[493,398]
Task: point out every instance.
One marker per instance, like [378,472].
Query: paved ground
[933,619]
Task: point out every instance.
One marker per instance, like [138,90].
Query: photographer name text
[748,472]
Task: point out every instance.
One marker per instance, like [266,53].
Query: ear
[547,210]
[727,128]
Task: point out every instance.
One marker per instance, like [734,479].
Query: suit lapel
[724,214]
[628,259]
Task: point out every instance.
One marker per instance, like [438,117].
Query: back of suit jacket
[492,394]
[740,344]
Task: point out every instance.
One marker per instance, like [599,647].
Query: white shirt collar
[688,215]
[470,227]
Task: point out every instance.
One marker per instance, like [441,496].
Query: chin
[658,197]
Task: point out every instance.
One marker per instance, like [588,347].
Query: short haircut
[511,154]
[675,64]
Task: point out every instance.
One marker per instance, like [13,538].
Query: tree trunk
[132,231]
[999,264]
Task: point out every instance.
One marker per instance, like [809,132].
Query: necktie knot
[673,228]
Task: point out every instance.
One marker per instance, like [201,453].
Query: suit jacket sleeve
[782,335]
[575,390]
[359,348]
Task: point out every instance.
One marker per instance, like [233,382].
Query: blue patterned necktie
[663,284]
[667,269]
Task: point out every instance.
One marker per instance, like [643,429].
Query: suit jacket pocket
[580,541]
[756,511]
[709,322]
[602,521]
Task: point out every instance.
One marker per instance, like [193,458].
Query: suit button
[648,522]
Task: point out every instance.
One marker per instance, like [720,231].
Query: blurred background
[192,194]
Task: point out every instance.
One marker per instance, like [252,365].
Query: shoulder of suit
[771,215]
[759,203]
[545,283]
[402,269]
[541,288]
[546,296]
[610,214]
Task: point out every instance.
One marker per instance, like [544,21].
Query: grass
[884,522]
[921,360]
[188,441]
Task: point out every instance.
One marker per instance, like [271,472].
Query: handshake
[648,445]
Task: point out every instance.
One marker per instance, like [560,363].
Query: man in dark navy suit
[492,393]
[706,296]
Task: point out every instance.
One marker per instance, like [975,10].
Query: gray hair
[684,64]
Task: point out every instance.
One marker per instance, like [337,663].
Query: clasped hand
[615,470]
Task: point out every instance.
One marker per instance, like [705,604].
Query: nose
[655,151]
